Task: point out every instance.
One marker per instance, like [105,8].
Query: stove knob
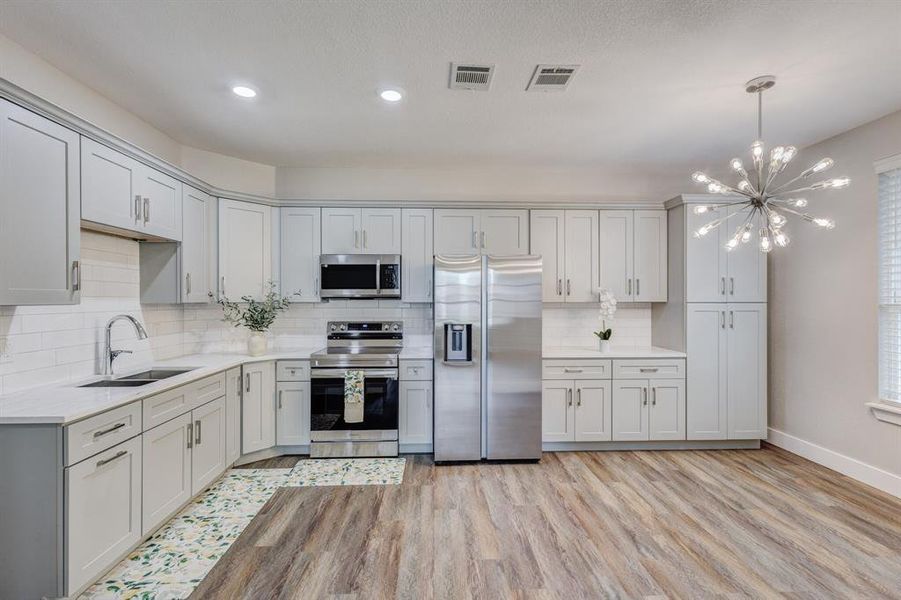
[395,327]
[332,327]
[343,327]
[385,327]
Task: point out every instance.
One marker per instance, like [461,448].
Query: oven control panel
[392,327]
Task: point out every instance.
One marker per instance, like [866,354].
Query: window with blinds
[890,285]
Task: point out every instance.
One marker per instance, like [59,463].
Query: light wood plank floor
[716,524]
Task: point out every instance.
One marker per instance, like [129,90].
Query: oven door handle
[367,373]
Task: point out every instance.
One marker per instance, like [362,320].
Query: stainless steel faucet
[110,354]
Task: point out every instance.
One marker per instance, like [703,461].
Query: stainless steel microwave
[359,276]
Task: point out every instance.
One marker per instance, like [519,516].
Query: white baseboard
[889,483]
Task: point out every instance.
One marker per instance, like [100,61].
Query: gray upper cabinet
[39,209]
[633,254]
[361,231]
[473,231]
[197,248]
[300,247]
[416,281]
[120,193]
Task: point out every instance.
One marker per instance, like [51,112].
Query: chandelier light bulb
[777,220]
[757,149]
[744,186]
[765,244]
[701,209]
[824,223]
[737,165]
[823,164]
[703,230]
[780,239]
[732,244]
[798,202]
[746,234]
[839,182]
[776,154]
[789,154]
[700,177]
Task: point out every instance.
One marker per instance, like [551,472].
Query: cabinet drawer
[415,370]
[649,368]
[575,369]
[97,433]
[167,405]
[292,370]
[208,388]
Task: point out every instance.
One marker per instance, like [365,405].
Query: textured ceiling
[660,83]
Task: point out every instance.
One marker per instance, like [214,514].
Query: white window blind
[890,285]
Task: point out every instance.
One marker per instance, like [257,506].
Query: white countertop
[615,352]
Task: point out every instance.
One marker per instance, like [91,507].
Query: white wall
[823,310]
[495,184]
[39,77]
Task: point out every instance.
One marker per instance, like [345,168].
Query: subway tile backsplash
[53,344]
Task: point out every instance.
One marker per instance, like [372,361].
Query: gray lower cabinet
[103,503]
[648,409]
[415,412]
[167,470]
[258,407]
[292,421]
[208,445]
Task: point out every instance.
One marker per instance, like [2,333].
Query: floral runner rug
[172,563]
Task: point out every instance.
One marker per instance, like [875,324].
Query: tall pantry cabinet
[716,313]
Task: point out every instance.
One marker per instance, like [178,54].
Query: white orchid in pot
[255,315]
[607,310]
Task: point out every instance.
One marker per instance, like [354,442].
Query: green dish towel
[353,396]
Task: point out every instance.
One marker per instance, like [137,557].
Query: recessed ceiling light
[391,95]
[244,91]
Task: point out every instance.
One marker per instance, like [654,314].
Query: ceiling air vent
[470,77]
[551,78]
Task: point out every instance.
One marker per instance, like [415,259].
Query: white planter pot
[256,344]
[604,345]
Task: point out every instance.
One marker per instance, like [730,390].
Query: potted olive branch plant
[255,315]
[607,310]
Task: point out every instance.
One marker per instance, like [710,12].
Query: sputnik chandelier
[764,204]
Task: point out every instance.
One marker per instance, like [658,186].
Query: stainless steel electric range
[373,348]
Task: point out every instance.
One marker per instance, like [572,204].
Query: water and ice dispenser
[458,342]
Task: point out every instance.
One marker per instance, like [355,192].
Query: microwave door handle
[378,276]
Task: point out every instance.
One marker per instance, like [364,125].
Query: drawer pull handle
[649,370]
[118,454]
[571,370]
[103,432]
[190,435]
[197,432]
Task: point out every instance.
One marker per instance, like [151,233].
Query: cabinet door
[341,231]
[616,259]
[233,389]
[546,240]
[415,412]
[245,255]
[649,248]
[300,246]
[292,423]
[457,231]
[746,352]
[557,412]
[161,204]
[417,252]
[667,414]
[208,453]
[381,231]
[581,256]
[110,187]
[39,209]
[195,245]
[630,410]
[746,266]
[705,370]
[166,471]
[504,232]
[103,512]
[258,407]
[705,258]
[593,411]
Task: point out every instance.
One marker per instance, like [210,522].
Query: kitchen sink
[137,379]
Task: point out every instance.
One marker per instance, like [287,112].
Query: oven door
[359,276]
[380,405]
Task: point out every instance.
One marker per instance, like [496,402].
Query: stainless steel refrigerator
[487,357]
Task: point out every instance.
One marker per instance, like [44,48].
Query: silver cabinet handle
[648,369]
[559,287]
[240,389]
[428,289]
[579,396]
[76,276]
[483,239]
[356,239]
[654,399]
[571,370]
[644,392]
[197,432]
[137,207]
[316,287]
[280,399]
[475,237]
[190,435]
[104,432]
[731,319]
[637,287]
[223,285]
[117,455]
[723,319]
[568,288]
[629,285]
[365,243]
[569,395]
[188,282]
[247,381]
[732,286]
[146,210]
[722,286]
